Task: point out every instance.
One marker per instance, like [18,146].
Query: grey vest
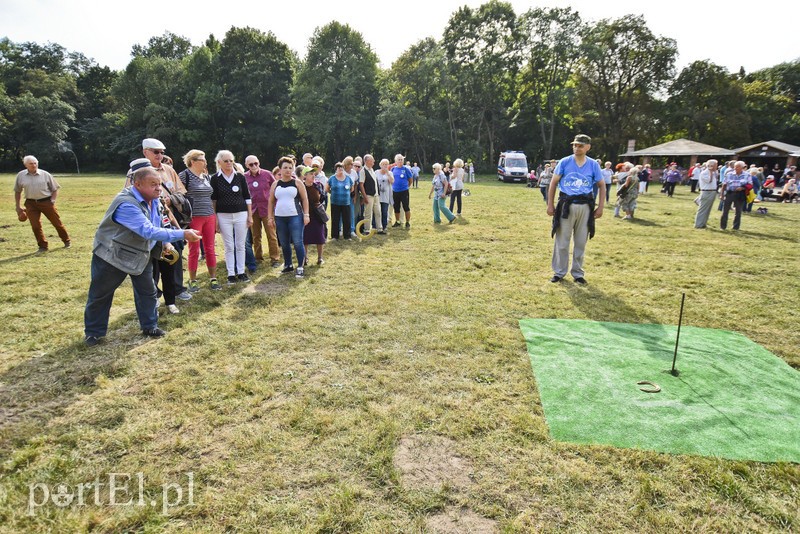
[119,246]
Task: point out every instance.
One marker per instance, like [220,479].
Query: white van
[512,167]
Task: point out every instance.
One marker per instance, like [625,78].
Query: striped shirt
[198,189]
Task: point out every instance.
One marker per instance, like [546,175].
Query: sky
[105,30]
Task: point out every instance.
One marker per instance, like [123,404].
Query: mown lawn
[389,391]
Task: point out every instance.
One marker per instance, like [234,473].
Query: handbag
[320,213]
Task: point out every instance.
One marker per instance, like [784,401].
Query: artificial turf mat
[732,399]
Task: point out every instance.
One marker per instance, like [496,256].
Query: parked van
[512,167]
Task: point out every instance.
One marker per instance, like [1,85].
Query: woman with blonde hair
[457,183]
[231,201]
[438,191]
[198,190]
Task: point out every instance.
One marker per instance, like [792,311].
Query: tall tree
[623,65]
[552,49]
[414,112]
[256,71]
[707,104]
[773,102]
[167,46]
[336,94]
[483,48]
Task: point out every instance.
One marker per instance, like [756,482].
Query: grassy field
[389,391]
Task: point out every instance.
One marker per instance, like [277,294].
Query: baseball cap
[582,139]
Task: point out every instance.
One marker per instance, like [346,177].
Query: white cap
[153,143]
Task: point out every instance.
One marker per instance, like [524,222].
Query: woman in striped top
[198,191]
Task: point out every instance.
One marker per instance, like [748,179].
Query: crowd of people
[143,232]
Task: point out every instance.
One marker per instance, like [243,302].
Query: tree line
[495,80]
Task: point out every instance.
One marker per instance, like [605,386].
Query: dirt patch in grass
[460,521]
[429,462]
[270,288]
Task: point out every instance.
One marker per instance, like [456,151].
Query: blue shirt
[578,180]
[415,171]
[340,190]
[401,177]
[134,220]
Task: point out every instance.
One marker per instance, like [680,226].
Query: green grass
[288,403]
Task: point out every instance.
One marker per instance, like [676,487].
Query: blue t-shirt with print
[401,177]
[340,190]
[578,180]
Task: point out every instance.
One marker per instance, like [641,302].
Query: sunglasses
[156,151]
[255,164]
[357,166]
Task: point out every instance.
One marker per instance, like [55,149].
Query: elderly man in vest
[128,237]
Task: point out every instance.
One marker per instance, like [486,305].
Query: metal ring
[360,225]
[656,387]
[170,256]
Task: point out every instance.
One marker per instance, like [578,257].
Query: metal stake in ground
[674,372]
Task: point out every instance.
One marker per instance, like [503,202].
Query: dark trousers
[177,269]
[455,197]
[694,184]
[737,199]
[105,280]
[670,187]
[166,272]
[35,210]
[340,214]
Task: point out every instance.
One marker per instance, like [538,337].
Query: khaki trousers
[574,225]
[372,208]
[272,239]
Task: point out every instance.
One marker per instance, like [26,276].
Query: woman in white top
[457,183]
[288,213]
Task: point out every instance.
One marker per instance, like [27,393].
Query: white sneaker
[173,309]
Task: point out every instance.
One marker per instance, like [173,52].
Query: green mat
[732,399]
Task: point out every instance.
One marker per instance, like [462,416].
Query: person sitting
[789,192]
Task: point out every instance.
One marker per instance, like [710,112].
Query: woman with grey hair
[439,191]
[385,180]
[231,201]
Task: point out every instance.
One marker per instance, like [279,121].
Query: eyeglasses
[357,166]
[156,151]
[254,164]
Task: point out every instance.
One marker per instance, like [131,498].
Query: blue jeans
[438,205]
[249,256]
[385,215]
[105,280]
[290,232]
